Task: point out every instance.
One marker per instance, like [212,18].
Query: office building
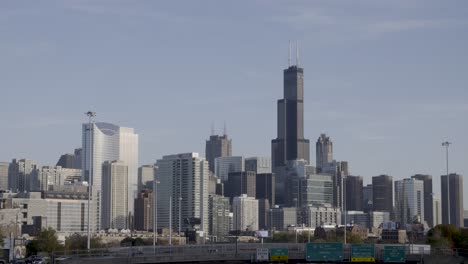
[339,170]
[78,158]
[225,165]
[376,219]
[66,161]
[217,146]
[219,218]
[292,173]
[355,218]
[245,211]
[353,193]
[263,212]
[240,183]
[367,198]
[260,165]
[48,176]
[182,191]
[324,152]
[290,143]
[315,189]
[437,211]
[22,176]
[280,218]
[409,201]
[146,174]
[144,210]
[428,195]
[382,193]
[452,205]
[315,216]
[4,175]
[110,142]
[115,189]
[265,187]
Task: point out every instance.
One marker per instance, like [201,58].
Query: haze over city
[385,80]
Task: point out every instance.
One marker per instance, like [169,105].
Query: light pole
[90,115]
[343,186]
[170,220]
[155,213]
[446,144]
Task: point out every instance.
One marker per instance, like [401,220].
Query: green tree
[447,236]
[46,241]
[79,242]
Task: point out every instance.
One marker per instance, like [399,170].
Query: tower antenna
[225,129]
[212,129]
[297,53]
[289,55]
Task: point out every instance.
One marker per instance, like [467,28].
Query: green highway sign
[362,253]
[394,254]
[279,254]
[324,252]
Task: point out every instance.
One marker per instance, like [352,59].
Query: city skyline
[397,132]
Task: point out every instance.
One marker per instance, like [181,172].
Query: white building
[225,165]
[184,178]
[409,201]
[114,208]
[245,210]
[437,211]
[48,176]
[22,175]
[146,174]
[110,142]
[4,175]
[321,215]
[378,218]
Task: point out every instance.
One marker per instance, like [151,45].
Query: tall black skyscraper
[382,193]
[217,146]
[353,185]
[324,152]
[454,204]
[290,143]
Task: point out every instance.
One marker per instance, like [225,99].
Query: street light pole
[343,186]
[90,115]
[155,213]
[446,144]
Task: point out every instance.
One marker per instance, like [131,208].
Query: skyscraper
[217,146]
[146,174]
[4,175]
[353,193]
[245,211]
[110,142]
[409,201]
[225,165]
[258,164]
[382,193]
[144,210]
[66,161]
[367,198]
[22,175]
[324,152]
[428,196]
[290,143]
[265,187]
[454,205]
[220,218]
[114,195]
[240,183]
[184,177]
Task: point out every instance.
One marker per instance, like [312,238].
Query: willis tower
[290,143]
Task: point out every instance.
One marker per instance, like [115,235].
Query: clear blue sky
[387,80]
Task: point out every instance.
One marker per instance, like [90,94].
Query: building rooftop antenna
[225,129]
[289,55]
[297,53]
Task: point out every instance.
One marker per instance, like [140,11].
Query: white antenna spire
[289,55]
[297,53]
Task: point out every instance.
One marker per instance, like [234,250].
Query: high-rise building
[324,152]
[22,176]
[315,189]
[48,176]
[4,175]
[144,210]
[382,193]
[290,143]
[409,201]
[219,218]
[321,215]
[217,146]
[146,174]
[184,183]
[280,218]
[258,164]
[110,142]
[245,210]
[353,193]
[66,161]
[428,195]
[78,158]
[367,198]
[339,170]
[452,204]
[240,183]
[263,212]
[265,187]
[225,165]
[437,211]
[115,189]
